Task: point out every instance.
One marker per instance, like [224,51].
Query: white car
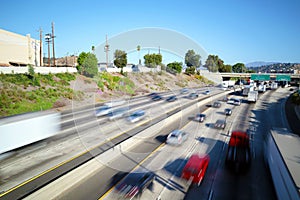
[103,110]
[237,102]
[176,137]
[136,116]
[207,92]
[230,101]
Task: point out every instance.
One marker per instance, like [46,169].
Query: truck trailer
[252,96]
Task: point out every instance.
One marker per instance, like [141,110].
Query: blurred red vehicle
[238,155]
[195,168]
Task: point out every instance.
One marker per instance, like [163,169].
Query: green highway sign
[260,77]
[282,77]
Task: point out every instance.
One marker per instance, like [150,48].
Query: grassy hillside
[20,93]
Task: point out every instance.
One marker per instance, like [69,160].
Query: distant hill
[259,64]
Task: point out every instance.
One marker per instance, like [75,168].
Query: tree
[138,48]
[81,58]
[90,65]
[213,63]
[120,59]
[177,66]
[152,60]
[225,68]
[190,70]
[239,68]
[192,59]
[31,71]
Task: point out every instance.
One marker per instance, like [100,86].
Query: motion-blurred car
[184,91]
[230,101]
[195,168]
[200,117]
[176,137]
[117,113]
[228,111]
[156,97]
[220,124]
[207,92]
[217,104]
[103,110]
[237,102]
[134,184]
[136,116]
[171,98]
[238,156]
[152,94]
[193,95]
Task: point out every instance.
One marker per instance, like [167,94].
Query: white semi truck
[252,96]
[262,88]
[21,130]
[274,86]
[247,89]
[228,84]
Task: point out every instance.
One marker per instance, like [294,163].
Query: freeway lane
[59,152]
[93,184]
[257,183]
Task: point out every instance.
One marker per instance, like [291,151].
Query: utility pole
[106,49]
[48,40]
[41,43]
[53,36]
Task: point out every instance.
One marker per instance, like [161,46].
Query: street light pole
[48,40]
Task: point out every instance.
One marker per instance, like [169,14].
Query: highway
[86,133]
[96,178]
[202,138]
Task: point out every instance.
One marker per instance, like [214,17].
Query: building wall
[19,49]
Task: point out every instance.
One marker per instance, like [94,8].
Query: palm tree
[93,49]
[138,48]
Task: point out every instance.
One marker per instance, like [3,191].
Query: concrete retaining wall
[41,70]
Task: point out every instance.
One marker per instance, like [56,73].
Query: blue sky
[235,30]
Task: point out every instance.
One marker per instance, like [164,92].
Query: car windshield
[137,114]
[173,136]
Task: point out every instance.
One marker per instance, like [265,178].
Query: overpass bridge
[295,78]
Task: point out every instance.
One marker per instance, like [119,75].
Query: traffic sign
[283,77]
[260,77]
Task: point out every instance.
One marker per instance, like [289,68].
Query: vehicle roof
[176,132]
[239,138]
[196,159]
[220,121]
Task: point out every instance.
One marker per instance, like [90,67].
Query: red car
[195,168]
[238,155]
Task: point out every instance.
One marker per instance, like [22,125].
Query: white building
[19,50]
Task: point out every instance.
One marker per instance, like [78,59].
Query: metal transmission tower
[53,36]
[48,40]
[106,49]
